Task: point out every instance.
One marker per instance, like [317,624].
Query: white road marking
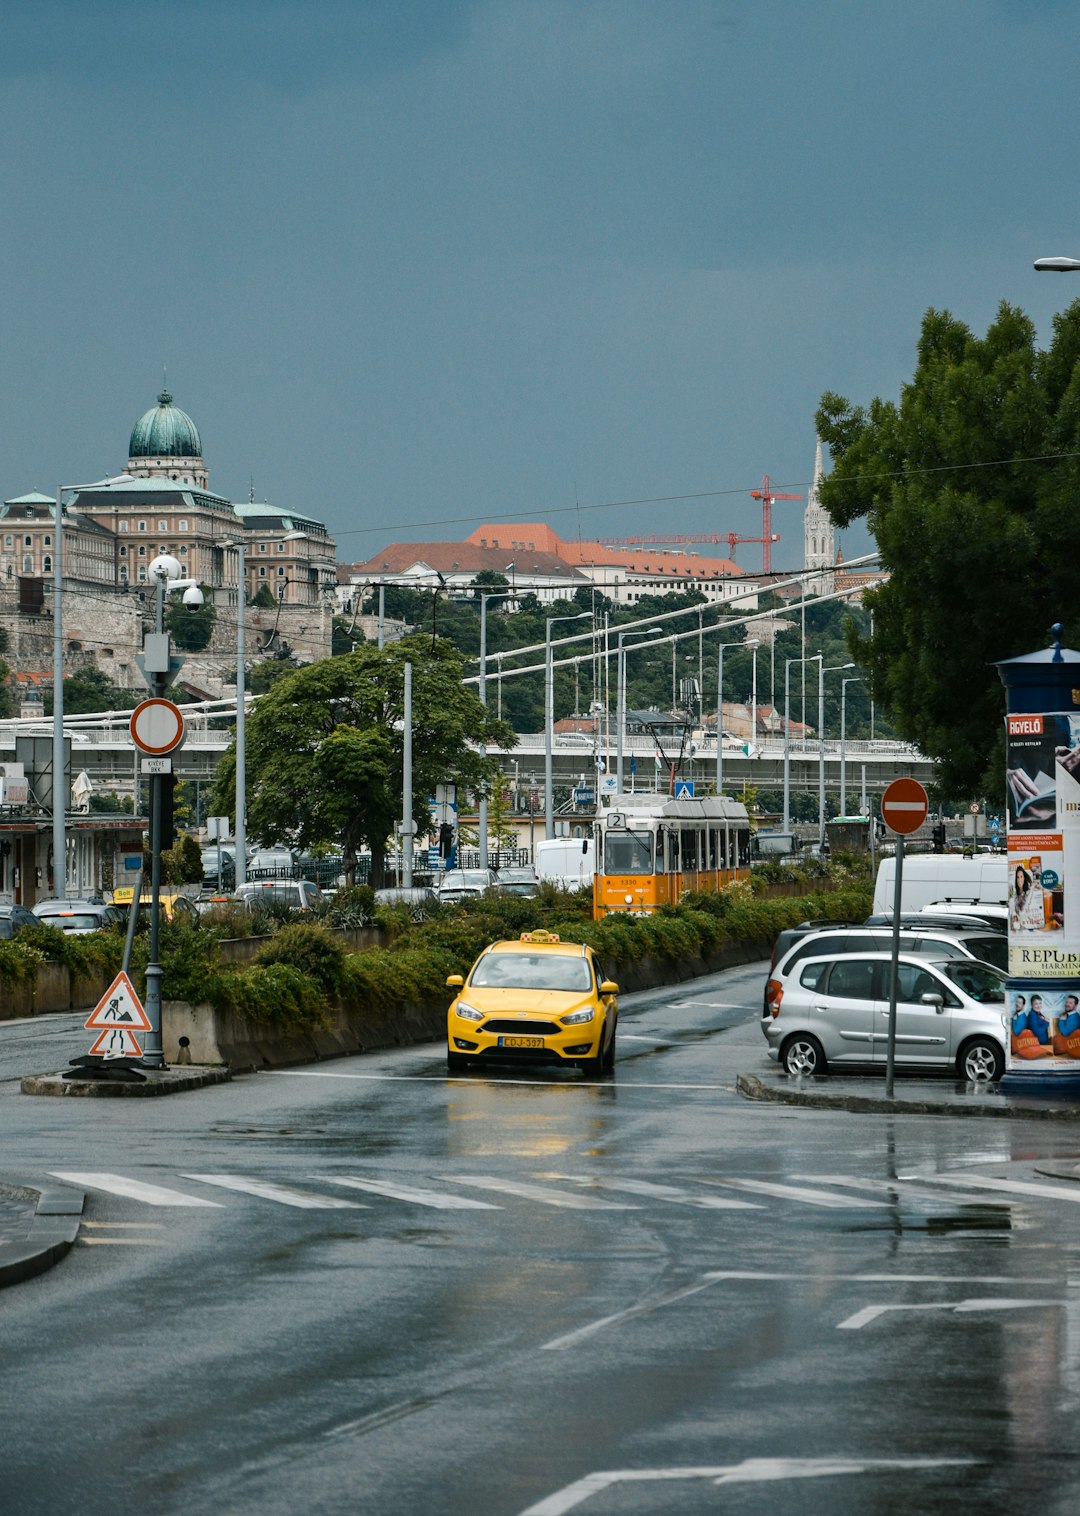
[571,1339]
[535,1084]
[897,1186]
[1008,1186]
[720,1276]
[668,1192]
[284,1194]
[133,1189]
[872,1312]
[750,1471]
[143,1226]
[791,1192]
[122,1242]
[707,1005]
[539,1192]
[411,1193]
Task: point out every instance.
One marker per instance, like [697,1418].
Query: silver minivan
[949,1013]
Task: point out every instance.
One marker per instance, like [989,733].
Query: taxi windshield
[531,971]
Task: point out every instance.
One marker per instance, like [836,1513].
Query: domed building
[165,444]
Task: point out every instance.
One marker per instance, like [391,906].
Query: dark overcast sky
[437,261]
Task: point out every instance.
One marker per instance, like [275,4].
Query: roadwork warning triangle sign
[117,1043]
[119,1007]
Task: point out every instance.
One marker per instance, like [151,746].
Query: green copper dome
[165,432]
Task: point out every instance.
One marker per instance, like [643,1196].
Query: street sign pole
[904,808]
[894,965]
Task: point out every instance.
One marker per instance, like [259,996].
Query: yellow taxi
[538,999]
[174,907]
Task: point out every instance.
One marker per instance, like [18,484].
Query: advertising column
[1042,781]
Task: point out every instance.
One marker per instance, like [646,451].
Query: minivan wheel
[981,1061]
[803,1055]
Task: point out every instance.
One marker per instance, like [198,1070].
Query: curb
[753,1088]
[170,1081]
[52,1232]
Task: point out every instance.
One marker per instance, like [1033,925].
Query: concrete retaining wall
[223,1037]
[52,989]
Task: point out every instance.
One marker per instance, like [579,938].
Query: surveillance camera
[193,598]
[163,568]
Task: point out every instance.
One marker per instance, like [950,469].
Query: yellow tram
[651,849]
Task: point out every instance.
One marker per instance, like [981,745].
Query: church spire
[819,534]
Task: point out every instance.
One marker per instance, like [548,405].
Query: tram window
[628,852]
[688,842]
[662,861]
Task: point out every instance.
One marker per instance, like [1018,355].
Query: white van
[567,862]
[943,879]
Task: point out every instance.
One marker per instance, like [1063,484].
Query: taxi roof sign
[540,936]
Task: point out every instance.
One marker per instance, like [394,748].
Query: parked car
[538,999]
[942,919]
[212,879]
[465,884]
[519,879]
[949,1012]
[15,919]
[418,898]
[78,916]
[271,863]
[297,894]
[937,942]
[173,905]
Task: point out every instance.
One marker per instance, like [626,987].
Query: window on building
[262,547]
[123,576]
[28,563]
[28,542]
[183,526]
[9,540]
[183,550]
[47,539]
[142,551]
[142,526]
[163,526]
[123,526]
[262,570]
[281,547]
[46,564]
[123,552]
[281,570]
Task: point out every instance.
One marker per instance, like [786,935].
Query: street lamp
[822,671]
[720,718]
[620,697]
[549,719]
[813,658]
[165,574]
[485,596]
[843,740]
[755,643]
[1057,265]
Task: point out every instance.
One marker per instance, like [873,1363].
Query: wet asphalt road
[365,1287]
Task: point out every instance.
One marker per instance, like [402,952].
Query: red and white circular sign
[904,806]
[157,727]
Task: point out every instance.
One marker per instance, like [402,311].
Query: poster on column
[1044,1026]
[1043,783]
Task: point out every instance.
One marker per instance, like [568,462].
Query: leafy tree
[324,747]
[968,484]
[90,689]
[7,703]
[263,599]
[263,676]
[191,630]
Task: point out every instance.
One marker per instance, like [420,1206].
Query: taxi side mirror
[609,987]
[454,981]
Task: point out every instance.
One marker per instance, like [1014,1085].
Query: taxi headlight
[468,1013]
[575,1018]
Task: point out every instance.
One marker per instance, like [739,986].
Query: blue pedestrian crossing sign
[684,789]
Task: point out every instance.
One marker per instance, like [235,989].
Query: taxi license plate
[521,1042]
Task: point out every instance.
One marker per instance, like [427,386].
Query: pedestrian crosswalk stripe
[284,1194]
[539,1192]
[133,1189]
[793,1192]
[667,1192]
[905,1189]
[410,1193]
[1008,1186]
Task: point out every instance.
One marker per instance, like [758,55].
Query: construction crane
[766,494]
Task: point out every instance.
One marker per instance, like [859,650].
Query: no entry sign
[157,727]
[904,806]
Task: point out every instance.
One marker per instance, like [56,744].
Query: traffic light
[938,834]
[446,840]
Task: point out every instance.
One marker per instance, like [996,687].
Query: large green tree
[969,485]
[325,747]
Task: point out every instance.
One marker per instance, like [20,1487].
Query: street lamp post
[720,719]
[549,720]
[620,697]
[822,671]
[755,643]
[843,740]
[484,598]
[787,733]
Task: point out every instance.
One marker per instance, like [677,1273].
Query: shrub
[353,906]
[311,949]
